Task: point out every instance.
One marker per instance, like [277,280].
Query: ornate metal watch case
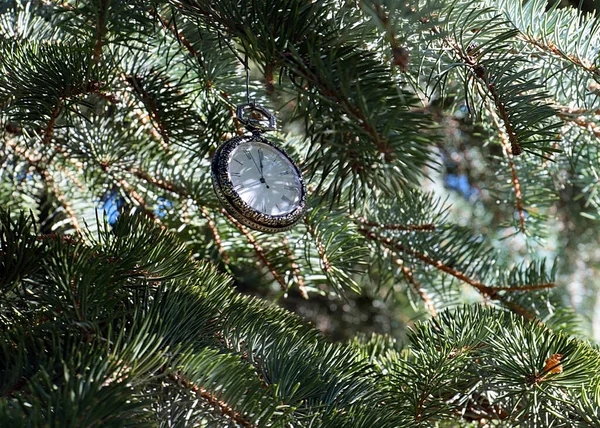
[235,200]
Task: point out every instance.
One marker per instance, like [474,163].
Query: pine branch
[257,248]
[148,101]
[400,55]
[479,72]
[547,46]
[101,16]
[217,237]
[412,227]
[160,183]
[322,254]
[408,274]
[506,144]
[49,131]
[580,121]
[196,55]
[295,269]
[35,162]
[488,292]
[213,400]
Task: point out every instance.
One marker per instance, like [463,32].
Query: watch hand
[249,154]
[261,155]
[260,159]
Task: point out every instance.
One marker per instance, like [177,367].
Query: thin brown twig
[400,56]
[322,254]
[295,269]
[513,170]
[213,228]
[257,248]
[581,122]
[160,183]
[100,29]
[408,227]
[479,73]
[152,110]
[549,47]
[198,57]
[485,290]
[62,199]
[408,274]
[224,407]
[43,171]
[49,131]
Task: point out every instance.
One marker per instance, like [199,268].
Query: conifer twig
[400,56]
[295,269]
[408,274]
[551,48]
[152,109]
[224,407]
[100,29]
[43,171]
[485,290]
[213,228]
[257,248]
[479,72]
[160,183]
[62,199]
[198,57]
[513,170]
[49,130]
[407,227]
[581,122]
[322,254]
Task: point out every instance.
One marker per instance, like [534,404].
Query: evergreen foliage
[129,297]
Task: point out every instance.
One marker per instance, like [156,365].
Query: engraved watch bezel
[231,199]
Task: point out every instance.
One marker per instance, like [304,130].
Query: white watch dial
[264,178]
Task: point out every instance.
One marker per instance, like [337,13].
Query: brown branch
[49,131]
[407,227]
[353,110]
[198,57]
[162,184]
[213,227]
[295,269]
[417,287]
[576,111]
[130,190]
[148,101]
[269,79]
[479,73]
[513,170]
[212,399]
[257,248]
[100,29]
[485,290]
[62,199]
[400,56]
[581,122]
[525,287]
[322,255]
[551,48]
[36,163]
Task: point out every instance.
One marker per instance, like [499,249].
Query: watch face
[258,183]
[264,178]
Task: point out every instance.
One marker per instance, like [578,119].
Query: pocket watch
[256,181]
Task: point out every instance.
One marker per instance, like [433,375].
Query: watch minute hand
[260,160]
